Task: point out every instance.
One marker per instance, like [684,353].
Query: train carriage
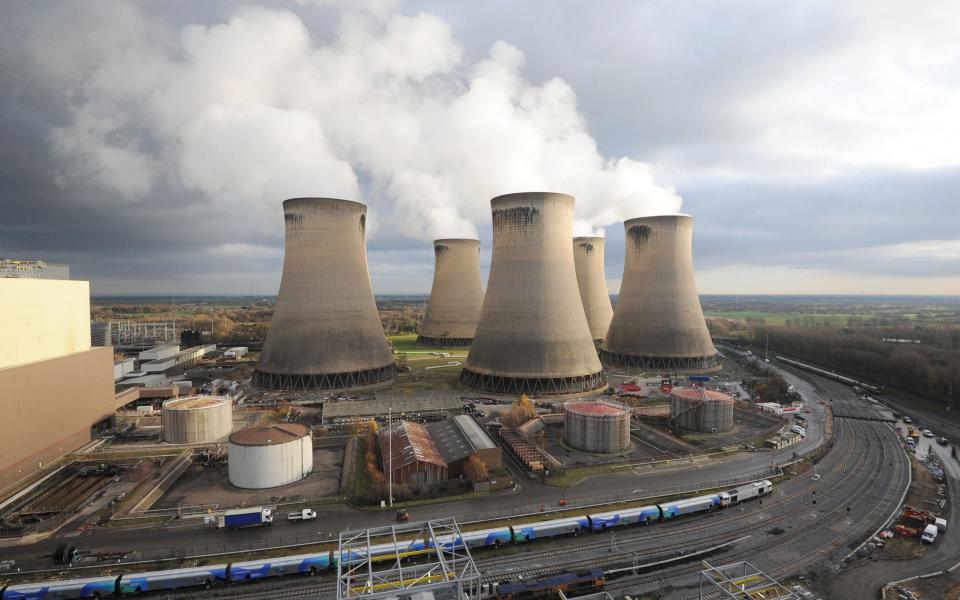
[552,528]
[749,491]
[173,579]
[627,516]
[279,566]
[694,505]
[92,587]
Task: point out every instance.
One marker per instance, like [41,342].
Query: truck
[255,516]
[929,534]
[306,514]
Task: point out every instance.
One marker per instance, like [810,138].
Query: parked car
[942,441]
[928,433]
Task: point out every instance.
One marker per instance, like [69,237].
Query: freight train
[311,564]
[828,374]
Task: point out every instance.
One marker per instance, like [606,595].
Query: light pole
[390,452]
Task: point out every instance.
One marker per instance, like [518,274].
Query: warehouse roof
[382,406]
[459,437]
[268,435]
[411,442]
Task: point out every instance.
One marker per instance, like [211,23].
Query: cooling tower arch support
[325,332]
[456,298]
[533,336]
[588,255]
[658,322]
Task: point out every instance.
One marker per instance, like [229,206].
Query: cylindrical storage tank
[325,332]
[658,323]
[270,456]
[533,336]
[601,426]
[697,409]
[457,294]
[592,281]
[196,419]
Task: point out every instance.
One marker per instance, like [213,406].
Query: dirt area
[201,485]
[922,488]
[945,587]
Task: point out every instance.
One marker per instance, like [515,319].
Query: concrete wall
[592,281]
[48,408]
[325,321]
[457,294]
[658,313]
[533,327]
[42,319]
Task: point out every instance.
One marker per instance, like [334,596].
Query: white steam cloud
[253,110]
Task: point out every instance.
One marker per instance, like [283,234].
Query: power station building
[533,336]
[457,295]
[592,281]
[658,323]
[697,409]
[601,426]
[56,391]
[326,332]
[196,419]
[269,456]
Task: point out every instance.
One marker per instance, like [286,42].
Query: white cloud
[251,111]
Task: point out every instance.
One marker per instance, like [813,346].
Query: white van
[929,534]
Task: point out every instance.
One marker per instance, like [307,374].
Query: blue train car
[173,579]
[92,587]
[582,581]
[552,528]
[279,566]
[626,516]
[688,506]
[483,538]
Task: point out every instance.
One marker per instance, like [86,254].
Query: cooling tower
[657,323]
[456,297]
[592,280]
[532,337]
[325,332]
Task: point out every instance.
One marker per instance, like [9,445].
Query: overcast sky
[150,145]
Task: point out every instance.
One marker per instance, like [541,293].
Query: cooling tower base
[534,386]
[324,381]
[660,363]
[442,342]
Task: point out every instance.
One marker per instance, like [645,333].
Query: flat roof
[698,393]
[600,409]
[338,409]
[269,435]
[194,402]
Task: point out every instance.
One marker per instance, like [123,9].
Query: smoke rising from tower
[325,332]
[592,281]
[658,322]
[457,295]
[533,336]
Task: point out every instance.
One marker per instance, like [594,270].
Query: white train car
[92,587]
[750,491]
[694,505]
[150,581]
[552,528]
[627,516]
[279,566]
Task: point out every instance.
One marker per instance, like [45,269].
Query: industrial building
[196,420]
[456,297]
[699,409]
[458,439]
[32,269]
[326,332]
[57,391]
[123,368]
[173,360]
[352,411]
[270,455]
[101,334]
[409,455]
[588,254]
[658,323]
[533,336]
[596,426]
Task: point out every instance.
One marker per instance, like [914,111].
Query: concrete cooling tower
[658,323]
[456,297]
[533,337]
[325,333]
[592,280]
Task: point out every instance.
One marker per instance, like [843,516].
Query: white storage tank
[197,419]
[601,426]
[697,409]
[270,455]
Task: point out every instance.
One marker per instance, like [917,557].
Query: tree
[476,469]
[521,412]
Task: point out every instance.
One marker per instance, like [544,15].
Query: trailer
[255,516]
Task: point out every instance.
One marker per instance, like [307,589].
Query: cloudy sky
[149,145]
